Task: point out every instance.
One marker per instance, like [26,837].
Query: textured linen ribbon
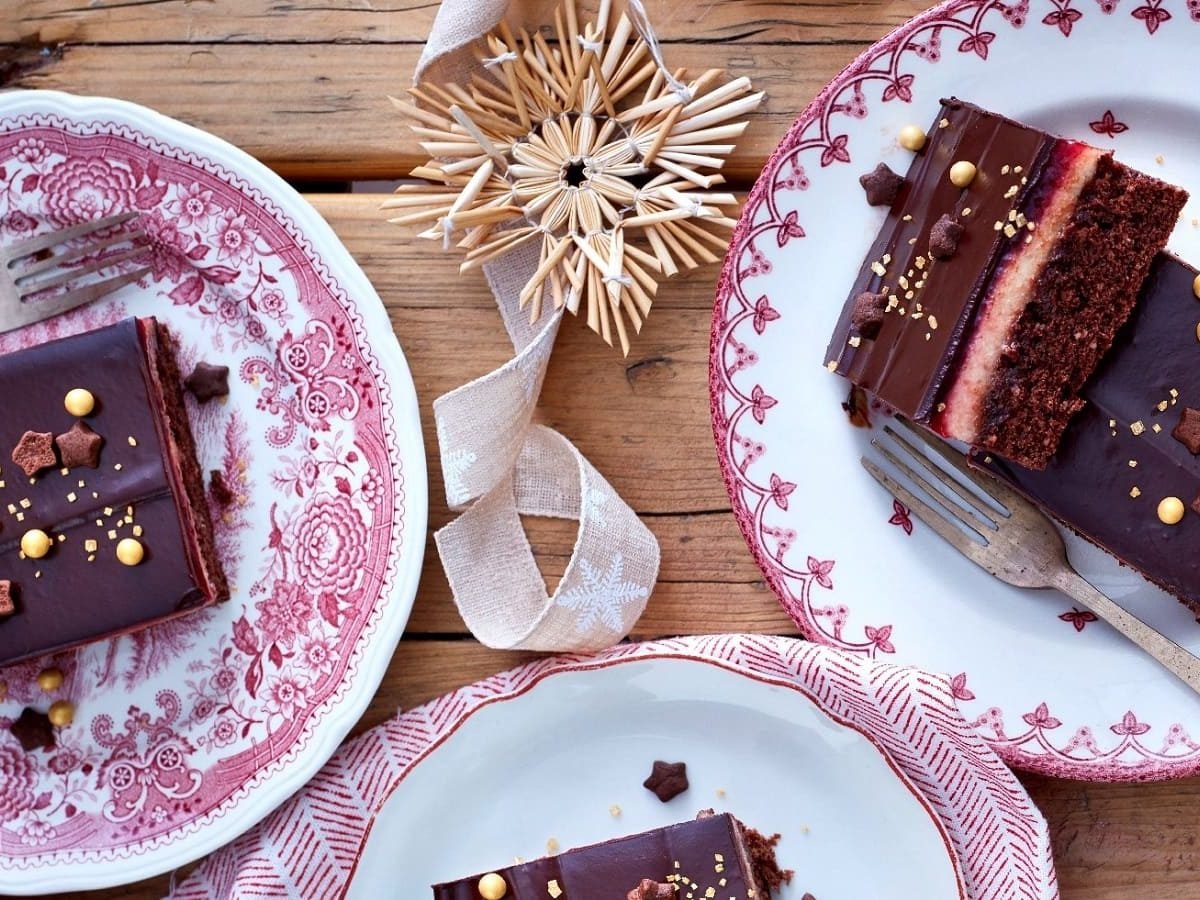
[501,466]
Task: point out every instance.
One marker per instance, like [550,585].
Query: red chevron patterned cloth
[309,847]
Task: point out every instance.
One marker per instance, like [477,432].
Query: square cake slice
[1127,475]
[1007,262]
[104,526]
[710,856]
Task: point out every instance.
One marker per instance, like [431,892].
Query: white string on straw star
[587,144]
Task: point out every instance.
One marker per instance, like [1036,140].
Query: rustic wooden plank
[321,110]
[392,254]
[409,21]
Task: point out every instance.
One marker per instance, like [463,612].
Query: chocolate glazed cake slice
[1008,260]
[710,856]
[1127,474]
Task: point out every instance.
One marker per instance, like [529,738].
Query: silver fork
[32,266]
[1019,545]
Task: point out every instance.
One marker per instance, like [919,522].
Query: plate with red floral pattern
[188,733]
[1049,687]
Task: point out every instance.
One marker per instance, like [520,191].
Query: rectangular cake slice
[1127,474]
[711,856]
[1008,260]
[74,486]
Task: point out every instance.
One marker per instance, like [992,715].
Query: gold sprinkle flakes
[1010,193]
[552,845]
[943,123]
[137,530]
[1137,427]
[1009,231]
[854,341]
[614,810]
[91,545]
[1005,169]
[1174,394]
[1021,220]
[966,211]
[1135,492]
[903,282]
[918,314]
[832,365]
[928,335]
[1029,238]
[887,258]
[118,467]
[908,295]
[1133,464]
[553,889]
[878,269]
[941,407]
[919,262]
[71,497]
[1157,428]
[1012,215]
[933,322]
[132,441]
[1018,169]
[998,225]
[25,503]
[1162,406]
[1160,159]
[108,510]
[906,218]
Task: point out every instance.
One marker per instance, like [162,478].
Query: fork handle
[1174,658]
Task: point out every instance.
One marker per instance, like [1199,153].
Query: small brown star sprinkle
[881,185]
[649,889]
[667,780]
[867,315]
[7,607]
[208,381]
[79,447]
[34,452]
[219,488]
[1187,432]
[944,237]
[33,730]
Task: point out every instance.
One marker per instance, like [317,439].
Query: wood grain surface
[302,85]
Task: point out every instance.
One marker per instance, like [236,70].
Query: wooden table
[302,85]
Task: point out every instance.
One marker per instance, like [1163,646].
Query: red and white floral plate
[877,785]
[188,733]
[1047,686]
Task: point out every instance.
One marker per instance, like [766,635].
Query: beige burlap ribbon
[500,466]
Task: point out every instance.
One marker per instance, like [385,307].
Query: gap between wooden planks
[409,21]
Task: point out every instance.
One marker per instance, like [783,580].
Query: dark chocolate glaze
[901,366]
[74,600]
[608,871]
[1088,481]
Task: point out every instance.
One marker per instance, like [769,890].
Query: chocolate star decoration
[649,889]
[219,487]
[79,447]
[943,237]
[7,607]
[667,780]
[881,185]
[34,452]
[1187,432]
[207,382]
[867,316]
[33,730]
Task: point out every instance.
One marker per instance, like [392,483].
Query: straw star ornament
[588,145]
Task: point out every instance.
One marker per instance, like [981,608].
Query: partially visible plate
[188,733]
[1050,688]
[877,786]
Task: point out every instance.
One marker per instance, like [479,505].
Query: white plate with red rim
[875,783]
[187,734]
[1051,689]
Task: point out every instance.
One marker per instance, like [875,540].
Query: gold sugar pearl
[1170,510]
[50,679]
[1196,285]
[962,173]
[61,713]
[492,887]
[130,552]
[911,137]
[35,543]
[79,402]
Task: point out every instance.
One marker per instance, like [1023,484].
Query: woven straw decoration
[588,145]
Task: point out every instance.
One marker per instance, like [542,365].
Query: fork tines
[956,499]
[39,258]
